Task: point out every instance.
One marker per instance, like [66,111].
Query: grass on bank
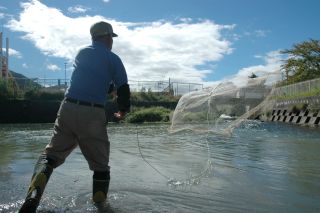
[151,114]
[7,89]
[312,93]
[38,94]
[153,97]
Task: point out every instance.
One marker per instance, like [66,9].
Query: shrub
[153,114]
[6,90]
[153,96]
[38,94]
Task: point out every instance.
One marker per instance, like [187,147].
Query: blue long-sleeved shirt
[95,67]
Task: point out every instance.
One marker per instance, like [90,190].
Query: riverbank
[45,111]
[299,111]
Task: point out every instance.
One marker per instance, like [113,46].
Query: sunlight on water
[262,167]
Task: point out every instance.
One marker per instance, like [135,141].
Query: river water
[262,167]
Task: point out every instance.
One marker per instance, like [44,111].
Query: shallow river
[262,167]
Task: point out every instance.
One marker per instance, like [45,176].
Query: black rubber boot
[100,186]
[40,177]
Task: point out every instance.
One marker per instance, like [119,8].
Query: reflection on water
[262,167]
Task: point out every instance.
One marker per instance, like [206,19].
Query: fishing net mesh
[218,109]
[221,108]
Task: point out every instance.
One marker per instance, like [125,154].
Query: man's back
[94,68]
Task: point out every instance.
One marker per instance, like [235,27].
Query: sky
[194,41]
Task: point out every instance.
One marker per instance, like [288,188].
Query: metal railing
[174,88]
[298,88]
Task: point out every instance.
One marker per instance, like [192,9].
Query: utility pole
[65,75]
[1,56]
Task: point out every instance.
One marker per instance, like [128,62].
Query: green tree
[6,89]
[303,62]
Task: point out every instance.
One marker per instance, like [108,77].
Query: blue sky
[189,41]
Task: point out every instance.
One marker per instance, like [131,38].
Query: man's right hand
[120,115]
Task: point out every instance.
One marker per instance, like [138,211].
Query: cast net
[221,108]
[215,110]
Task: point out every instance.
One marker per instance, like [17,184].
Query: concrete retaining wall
[311,101]
[304,118]
[38,111]
[301,111]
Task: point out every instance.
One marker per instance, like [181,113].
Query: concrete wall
[305,118]
[32,111]
[301,111]
[23,111]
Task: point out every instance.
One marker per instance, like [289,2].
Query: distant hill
[23,81]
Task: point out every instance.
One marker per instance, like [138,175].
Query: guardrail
[298,88]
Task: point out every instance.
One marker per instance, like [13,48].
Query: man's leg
[62,143]
[40,177]
[95,146]
[100,186]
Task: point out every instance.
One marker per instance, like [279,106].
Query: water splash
[190,179]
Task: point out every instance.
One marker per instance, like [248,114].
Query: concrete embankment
[39,111]
[303,111]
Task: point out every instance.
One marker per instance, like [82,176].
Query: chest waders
[40,177]
[100,186]
[42,172]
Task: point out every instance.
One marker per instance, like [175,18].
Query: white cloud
[53,67]
[260,33]
[12,52]
[24,65]
[106,1]
[2,15]
[150,51]
[256,33]
[269,70]
[78,9]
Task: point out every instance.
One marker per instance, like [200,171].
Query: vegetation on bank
[6,89]
[151,114]
[150,96]
[38,94]
[312,93]
[303,62]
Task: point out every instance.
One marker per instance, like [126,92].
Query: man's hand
[119,115]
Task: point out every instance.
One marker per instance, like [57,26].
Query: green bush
[153,114]
[153,96]
[38,94]
[6,90]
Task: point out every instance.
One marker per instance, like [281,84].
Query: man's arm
[123,101]
[123,98]
[123,89]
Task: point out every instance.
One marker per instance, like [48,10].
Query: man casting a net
[81,118]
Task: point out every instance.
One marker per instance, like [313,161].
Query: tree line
[303,62]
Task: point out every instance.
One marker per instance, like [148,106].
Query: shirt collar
[98,43]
